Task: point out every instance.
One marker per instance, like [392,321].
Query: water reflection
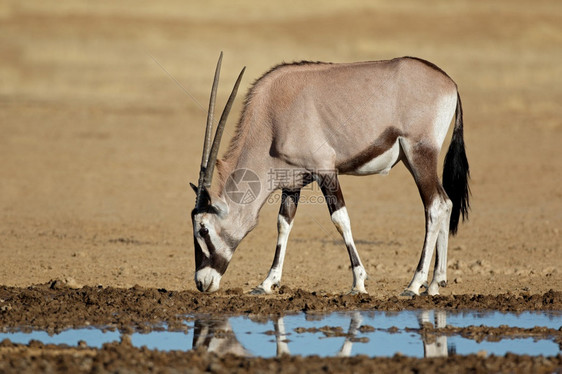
[434,344]
[217,335]
[372,333]
[354,325]
[281,341]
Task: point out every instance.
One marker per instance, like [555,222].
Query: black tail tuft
[456,173]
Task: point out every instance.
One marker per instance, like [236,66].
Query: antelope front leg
[287,211]
[336,205]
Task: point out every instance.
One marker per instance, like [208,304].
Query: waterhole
[420,333]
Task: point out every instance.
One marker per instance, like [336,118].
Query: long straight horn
[218,134]
[208,133]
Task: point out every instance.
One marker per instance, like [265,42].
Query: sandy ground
[99,144]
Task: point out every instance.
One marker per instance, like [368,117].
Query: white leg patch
[438,212]
[275,273]
[359,277]
[340,218]
[273,279]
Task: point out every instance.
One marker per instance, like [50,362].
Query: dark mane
[279,67]
[294,63]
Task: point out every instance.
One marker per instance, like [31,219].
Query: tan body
[319,120]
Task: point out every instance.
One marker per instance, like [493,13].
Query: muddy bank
[493,334]
[54,305]
[476,333]
[121,357]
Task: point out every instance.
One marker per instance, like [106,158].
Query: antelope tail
[456,173]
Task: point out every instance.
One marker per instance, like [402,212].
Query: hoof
[357,292]
[408,293]
[433,290]
[428,292]
[259,290]
[425,285]
[443,284]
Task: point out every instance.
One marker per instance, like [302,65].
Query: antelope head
[213,244]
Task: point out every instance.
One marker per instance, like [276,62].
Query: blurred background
[102,112]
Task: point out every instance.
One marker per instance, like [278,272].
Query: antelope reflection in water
[217,335]
[434,344]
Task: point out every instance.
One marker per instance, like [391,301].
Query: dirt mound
[120,357]
[55,306]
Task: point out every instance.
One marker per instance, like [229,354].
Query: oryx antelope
[319,120]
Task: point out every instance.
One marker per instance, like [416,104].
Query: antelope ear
[194,187]
[220,206]
[205,196]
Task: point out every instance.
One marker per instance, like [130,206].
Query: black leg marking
[289,203]
[353,256]
[330,186]
[276,258]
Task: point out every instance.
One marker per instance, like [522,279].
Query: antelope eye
[203,231]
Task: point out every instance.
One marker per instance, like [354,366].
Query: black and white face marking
[213,251]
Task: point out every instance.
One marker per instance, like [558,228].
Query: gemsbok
[314,121]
